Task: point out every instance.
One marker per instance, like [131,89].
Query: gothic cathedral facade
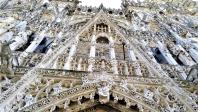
[59,56]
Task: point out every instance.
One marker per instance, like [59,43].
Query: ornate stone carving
[135,58]
[193,74]
[6,58]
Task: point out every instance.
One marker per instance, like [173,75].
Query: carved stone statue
[5,58]
[29,99]
[104,92]
[193,74]
[20,40]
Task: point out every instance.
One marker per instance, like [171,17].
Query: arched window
[102,40]
[102,27]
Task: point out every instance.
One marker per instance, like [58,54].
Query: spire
[124,3]
[101,7]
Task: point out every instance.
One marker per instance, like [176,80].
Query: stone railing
[52,72]
[31,60]
[122,65]
[80,74]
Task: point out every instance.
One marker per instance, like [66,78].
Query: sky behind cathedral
[107,3]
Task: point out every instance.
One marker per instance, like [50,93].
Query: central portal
[101,108]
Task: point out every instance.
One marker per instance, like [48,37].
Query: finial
[101,6]
[124,3]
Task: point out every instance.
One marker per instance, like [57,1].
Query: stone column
[92,53]
[91,64]
[113,57]
[112,51]
[70,57]
[15,61]
[133,59]
[126,71]
[194,54]
[131,54]
[166,54]
[79,64]
[93,47]
[109,29]
[184,57]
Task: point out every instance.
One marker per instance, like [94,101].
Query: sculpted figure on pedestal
[29,99]
[6,57]
[193,74]
[20,40]
[104,92]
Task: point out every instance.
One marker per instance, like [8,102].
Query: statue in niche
[104,92]
[193,74]
[5,57]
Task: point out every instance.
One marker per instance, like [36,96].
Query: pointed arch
[76,95]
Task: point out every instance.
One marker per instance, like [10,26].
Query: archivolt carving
[76,94]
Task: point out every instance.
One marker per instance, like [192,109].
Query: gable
[104,25]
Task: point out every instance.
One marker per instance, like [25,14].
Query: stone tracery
[138,58]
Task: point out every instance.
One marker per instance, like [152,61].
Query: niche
[44,45]
[158,56]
